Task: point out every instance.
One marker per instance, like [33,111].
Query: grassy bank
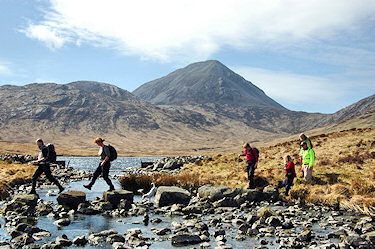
[344,171]
[13,173]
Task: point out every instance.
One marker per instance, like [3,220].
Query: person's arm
[44,158]
[312,158]
[243,154]
[107,153]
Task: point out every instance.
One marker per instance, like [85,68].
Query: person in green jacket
[304,138]
[308,159]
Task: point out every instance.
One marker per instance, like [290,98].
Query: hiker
[251,163]
[308,159]
[43,163]
[304,138]
[104,165]
[290,173]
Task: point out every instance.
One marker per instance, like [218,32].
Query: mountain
[204,83]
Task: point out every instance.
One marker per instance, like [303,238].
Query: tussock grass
[344,171]
[11,174]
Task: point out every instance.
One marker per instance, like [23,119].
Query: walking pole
[238,170]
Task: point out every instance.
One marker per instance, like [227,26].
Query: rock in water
[215,193]
[29,200]
[166,196]
[71,199]
[185,239]
[115,197]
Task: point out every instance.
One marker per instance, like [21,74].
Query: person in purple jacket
[251,163]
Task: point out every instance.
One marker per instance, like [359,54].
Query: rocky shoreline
[212,217]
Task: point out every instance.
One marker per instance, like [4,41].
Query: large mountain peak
[204,82]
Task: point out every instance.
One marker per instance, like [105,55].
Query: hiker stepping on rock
[290,173]
[47,155]
[107,154]
[252,155]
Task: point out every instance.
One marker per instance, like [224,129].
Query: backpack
[51,156]
[252,152]
[112,152]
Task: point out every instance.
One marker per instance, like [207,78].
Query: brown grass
[11,174]
[344,170]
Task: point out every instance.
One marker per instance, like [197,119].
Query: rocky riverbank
[208,217]
[214,217]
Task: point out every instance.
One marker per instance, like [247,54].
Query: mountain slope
[204,82]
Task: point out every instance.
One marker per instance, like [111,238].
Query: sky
[310,55]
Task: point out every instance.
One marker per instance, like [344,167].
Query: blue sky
[311,55]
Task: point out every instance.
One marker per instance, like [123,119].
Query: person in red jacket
[251,163]
[290,173]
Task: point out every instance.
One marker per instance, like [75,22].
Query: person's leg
[251,175]
[38,172]
[106,168]
[96,174]
[51,178]
[309,174]
[289,183]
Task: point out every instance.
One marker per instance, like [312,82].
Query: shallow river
[84,224]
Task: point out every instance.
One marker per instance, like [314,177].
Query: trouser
[44,168]
[288,183]
[307,173]
[250,168]
[105,172]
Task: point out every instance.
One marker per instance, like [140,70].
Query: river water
[85,224]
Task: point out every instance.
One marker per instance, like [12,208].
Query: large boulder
[169,195]
[71,199]
[115,197]
[214,193]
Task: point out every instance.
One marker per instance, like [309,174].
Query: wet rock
[166,196]
[305,236]
[120,245]
[71,199]
[23,204]
[156,221]
[115,238]
[62,222]
[355,240]
[337,234]
[41,235]
[185,239]
[44,209]
[214,193]
[273,221]
[87,209]
[22,240]
[51,245]
[115,197]
[80,241]
[205,245]
[270,193]
[63,241]
[163,231]
[225,202]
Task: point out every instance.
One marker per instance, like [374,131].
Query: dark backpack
[112,152]
[252,152]
[51,156]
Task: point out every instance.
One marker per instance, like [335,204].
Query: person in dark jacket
[251,163]
[290,174]
[104,165]
[43,167]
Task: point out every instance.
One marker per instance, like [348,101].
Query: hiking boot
[88,186]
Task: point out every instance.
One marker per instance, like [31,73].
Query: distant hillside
[204,83]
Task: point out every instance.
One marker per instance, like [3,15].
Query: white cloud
[4,69]
[170,29]
[306,92]
[52,37]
